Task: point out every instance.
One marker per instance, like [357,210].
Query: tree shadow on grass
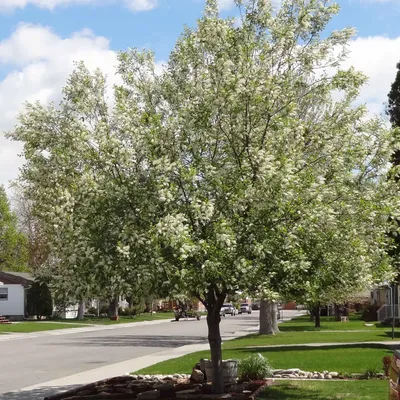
[134,340]
[35,394]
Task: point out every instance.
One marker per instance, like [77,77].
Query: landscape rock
[186,393]
[293,370]
[334,374]
[278,371]
[237,388]
[149,395]
[197,376]
[163,387]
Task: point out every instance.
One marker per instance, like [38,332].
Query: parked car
[229,309]
[255,306]
[222,312]
[245,308]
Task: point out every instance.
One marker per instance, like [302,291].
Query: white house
[13,287]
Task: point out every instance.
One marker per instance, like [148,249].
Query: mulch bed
[129,388]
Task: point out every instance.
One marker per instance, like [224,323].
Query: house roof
[16,278]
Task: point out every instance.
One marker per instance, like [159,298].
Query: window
[3,294]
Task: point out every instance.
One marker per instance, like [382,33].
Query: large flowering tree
[206,177]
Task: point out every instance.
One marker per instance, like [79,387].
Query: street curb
[84,329]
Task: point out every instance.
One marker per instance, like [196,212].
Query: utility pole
[393,307]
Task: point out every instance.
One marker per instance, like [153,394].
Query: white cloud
[141,5]
[376,57]
[226,4]
[133,5]
[41,62]
[7,5]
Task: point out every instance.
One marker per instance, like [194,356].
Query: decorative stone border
[296,373]
[154,387]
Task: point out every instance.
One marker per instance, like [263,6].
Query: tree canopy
[233,169]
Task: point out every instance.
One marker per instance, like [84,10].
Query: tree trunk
[337,312]
[268,318]
[81,311]
[214,339]
[129,299]
[346,310]
[113,308]
[317,314]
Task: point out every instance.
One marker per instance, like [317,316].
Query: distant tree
[13,243]
[393,108]
[39,300]
[393,111]
[38,249]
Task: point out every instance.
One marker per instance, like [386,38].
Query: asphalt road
[30,361]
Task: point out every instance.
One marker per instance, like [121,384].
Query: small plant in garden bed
[254,367]
[370,373]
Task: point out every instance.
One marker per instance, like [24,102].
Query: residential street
[31,361]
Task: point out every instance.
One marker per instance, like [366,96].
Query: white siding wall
[14,305]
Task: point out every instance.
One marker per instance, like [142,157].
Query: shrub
[128,312]
[39,300]
[92,310]
[104,309]
[370,313]
[254,367]
[369,373]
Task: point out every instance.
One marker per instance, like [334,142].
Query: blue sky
[40,39]
[158,28]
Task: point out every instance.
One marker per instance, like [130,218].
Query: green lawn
[312,390]
[122,320]
[355,359]
[303,323]
[28,327]
[287,337]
